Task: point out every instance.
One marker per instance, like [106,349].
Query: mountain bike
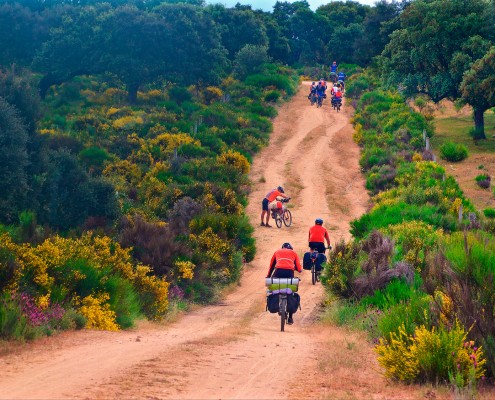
[282,215]
[336,104]
[315,274]
[312,98]
[319,101]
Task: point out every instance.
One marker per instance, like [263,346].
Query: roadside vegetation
[418,276]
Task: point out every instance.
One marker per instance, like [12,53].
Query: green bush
[272,96]
[453,152]
[489,212]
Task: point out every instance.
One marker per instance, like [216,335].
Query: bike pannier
[272,303]
[321,259]
[307,260]
[293,302]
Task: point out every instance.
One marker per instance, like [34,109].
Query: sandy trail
[235,349]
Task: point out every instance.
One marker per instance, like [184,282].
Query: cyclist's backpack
[293,302]
[272,303]
[307,260]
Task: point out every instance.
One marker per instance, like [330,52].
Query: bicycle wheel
[278,221]
[313,273]
[287,217]
[283,313]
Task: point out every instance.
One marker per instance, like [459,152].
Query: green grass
[456,129]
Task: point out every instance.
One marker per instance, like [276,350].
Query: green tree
[478,88]
[435,38]
[13,163]
[249,60]
[238,28]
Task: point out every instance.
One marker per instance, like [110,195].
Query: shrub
[453,152]
[489,212]
[483,181]
[272,96]
[431,355]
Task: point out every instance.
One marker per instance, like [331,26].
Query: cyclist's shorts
[264,204]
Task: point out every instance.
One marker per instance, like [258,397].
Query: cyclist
[320,92]
[312,89]
[283,264]
[272,195]
[341,75]
[333,71]
[317,236]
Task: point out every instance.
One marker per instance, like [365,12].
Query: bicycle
[283,287]
[312,98]
[315,274]
[336,104]
[282,214]
[319,101]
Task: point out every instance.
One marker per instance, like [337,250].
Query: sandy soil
[235,349]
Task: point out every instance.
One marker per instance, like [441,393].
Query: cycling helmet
[312,83]
[287,246]
[280,189]
[319,221]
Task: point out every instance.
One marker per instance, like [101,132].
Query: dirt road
[235,349]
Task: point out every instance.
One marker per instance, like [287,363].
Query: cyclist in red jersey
[279,191]
[317,236]
[283,264]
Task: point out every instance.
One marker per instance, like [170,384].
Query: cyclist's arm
[273,262]
[327,237]
[297,264]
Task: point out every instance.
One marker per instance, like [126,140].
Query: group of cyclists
[285,260]
[317,91]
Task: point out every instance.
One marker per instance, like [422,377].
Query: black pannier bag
[307,260]
[320,259]
[293,302]
[272,303]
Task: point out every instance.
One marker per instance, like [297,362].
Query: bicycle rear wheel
[283,313]
[278,221]
[287,217]
[313,273]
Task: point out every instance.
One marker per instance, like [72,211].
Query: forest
[127,132]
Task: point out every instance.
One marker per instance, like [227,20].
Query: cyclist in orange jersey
[272,195]
[317,236]
[283,264]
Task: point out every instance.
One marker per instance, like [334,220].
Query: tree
[13,163]
[434,36]
[478,88]
[249,60]
[238,27]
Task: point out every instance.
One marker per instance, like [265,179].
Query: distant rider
[341,75]
[333,71]
[312,89]
[320,90]
[284,262]
[271,196]
[317,236]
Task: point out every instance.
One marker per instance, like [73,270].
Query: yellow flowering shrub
[417,157]
[357,135]
[414,238]
[98,314]
[456,205]
[242,122]
[185,269]
[168,142]
[236,160]
[432,355]
[211,244]
[127,122]
[212,93]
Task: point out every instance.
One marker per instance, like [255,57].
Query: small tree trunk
[132,90]
[479,123]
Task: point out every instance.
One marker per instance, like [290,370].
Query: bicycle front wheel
[287,218]
[278,221]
